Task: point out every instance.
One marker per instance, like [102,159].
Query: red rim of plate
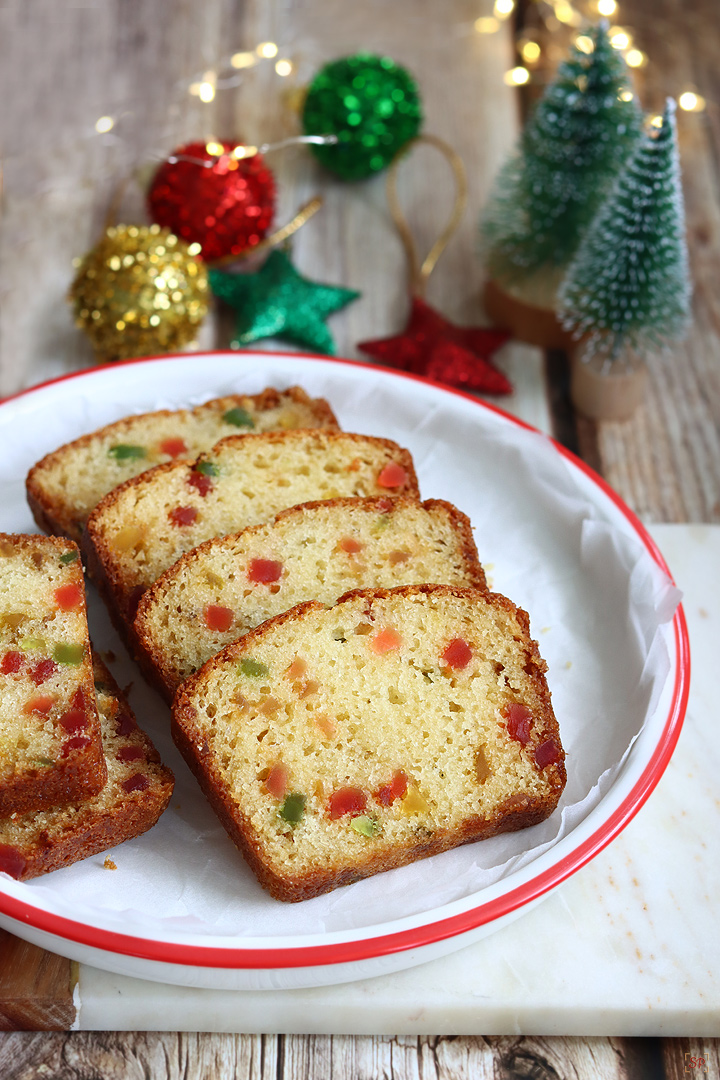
[429,933]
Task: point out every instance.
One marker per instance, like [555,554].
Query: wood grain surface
[63,65]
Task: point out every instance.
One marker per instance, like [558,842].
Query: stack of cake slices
[348,693]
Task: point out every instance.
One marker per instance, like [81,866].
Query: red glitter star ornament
[431,345]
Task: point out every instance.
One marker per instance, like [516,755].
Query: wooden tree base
[611,396]
[527,312]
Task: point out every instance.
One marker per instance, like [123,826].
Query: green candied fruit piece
[69,557]
[239,418]
[127,452]
[253,668]
[293,808]
[31,644]
[366,826]
[44,761]
[67,652]
[382,523]
[207,468]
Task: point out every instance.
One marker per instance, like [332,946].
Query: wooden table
[63,67]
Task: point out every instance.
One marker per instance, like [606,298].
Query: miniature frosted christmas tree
[572,148]
[628,285]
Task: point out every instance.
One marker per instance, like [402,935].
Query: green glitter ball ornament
[371,104]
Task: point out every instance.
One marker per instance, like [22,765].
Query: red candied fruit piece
[519,722]
[388,793]
[12,662]
[73,720]
[347,800]
[78,699]
[218,618]
[68,597]
[276,782]
[387,640]
[78,742]
[124,724]
[351,545]
[547,753]
[201,482]
[392,476]
[130,753]
[136,782]
[12,861]
[43,670]
[264,571]
[183,515]
[458,654]
[173,447]
[40,704]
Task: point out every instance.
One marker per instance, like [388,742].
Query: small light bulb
[283,67]
[103,124]
[242,59]
[487,24]
[215,149]
[530,51]
[503,8]
[566,13]
[517,76]
[626,95]
[585,44]
[241,152]
[267,49]
[691,102]
[657,121]
[635,58]
[619,39]
[206,91]
[607,7]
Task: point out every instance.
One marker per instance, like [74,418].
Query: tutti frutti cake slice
[314,551]
[50,743]
[338,742]
[68,483]
[141,528]
[137,791]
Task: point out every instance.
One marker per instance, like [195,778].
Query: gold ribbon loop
[420,272]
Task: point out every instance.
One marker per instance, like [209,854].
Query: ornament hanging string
[420,272]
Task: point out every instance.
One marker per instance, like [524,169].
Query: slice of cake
[337,742]
[67,484]
[137,791]
[141,528]
[315,551]
[50,745]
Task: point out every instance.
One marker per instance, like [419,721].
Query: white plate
[182,906]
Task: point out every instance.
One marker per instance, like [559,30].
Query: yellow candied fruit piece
[214,579]
[414,802]
[130,536]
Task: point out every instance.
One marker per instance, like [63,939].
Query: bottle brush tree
[628,284]
[570,152]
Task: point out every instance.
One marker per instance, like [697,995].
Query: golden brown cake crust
[30,847]
[59,517]
[82,772]
[149,652]
[519,810]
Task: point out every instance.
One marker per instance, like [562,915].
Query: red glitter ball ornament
[226,206]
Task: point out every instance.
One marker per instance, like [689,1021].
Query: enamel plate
[181,906]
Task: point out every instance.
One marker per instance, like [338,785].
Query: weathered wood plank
[36,987]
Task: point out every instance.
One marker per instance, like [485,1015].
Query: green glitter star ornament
[278,302]
[371,104]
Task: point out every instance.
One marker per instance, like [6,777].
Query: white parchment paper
[549,538]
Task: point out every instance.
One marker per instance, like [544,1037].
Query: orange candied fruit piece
[69,596]
[458,654]
[347,800]
[387,640]
[276,782]
[297,669]
[218,617]
[264,571]
[350,545]
[40,704]
[173,447]
[392,476]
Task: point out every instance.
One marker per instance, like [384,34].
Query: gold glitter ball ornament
[140,291]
